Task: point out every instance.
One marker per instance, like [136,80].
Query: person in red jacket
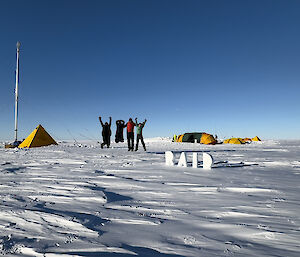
[130,134]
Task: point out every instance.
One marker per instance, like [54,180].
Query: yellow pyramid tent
[256,139]
[38,137]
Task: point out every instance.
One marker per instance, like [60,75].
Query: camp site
[150,128]
[71,198]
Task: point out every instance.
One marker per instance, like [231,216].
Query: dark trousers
[106,140]
[130,140]
[140,137]
[119,136]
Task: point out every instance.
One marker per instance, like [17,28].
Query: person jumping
[130,134]
[106,132]
[139,134]
[119,131]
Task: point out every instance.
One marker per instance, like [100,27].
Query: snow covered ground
[81,200]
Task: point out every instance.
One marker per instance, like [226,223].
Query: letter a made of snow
[182,160]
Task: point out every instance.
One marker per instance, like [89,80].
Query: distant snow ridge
[158,139]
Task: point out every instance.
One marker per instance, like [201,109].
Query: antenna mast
[17,92]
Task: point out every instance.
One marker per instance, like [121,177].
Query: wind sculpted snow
[81,200]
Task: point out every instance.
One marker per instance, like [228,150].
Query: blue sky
[224,67]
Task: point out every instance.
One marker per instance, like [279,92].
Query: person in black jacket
[119,132]
[106,132]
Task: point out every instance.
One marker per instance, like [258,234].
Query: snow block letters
[207,160]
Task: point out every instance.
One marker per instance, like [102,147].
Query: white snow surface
[81,200]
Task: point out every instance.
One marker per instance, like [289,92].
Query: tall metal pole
[17,92]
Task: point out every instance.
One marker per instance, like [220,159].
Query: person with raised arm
[130,134]
[119,131]
[139,134]
[106,132]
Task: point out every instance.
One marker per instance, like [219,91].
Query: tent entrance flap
[190,137]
